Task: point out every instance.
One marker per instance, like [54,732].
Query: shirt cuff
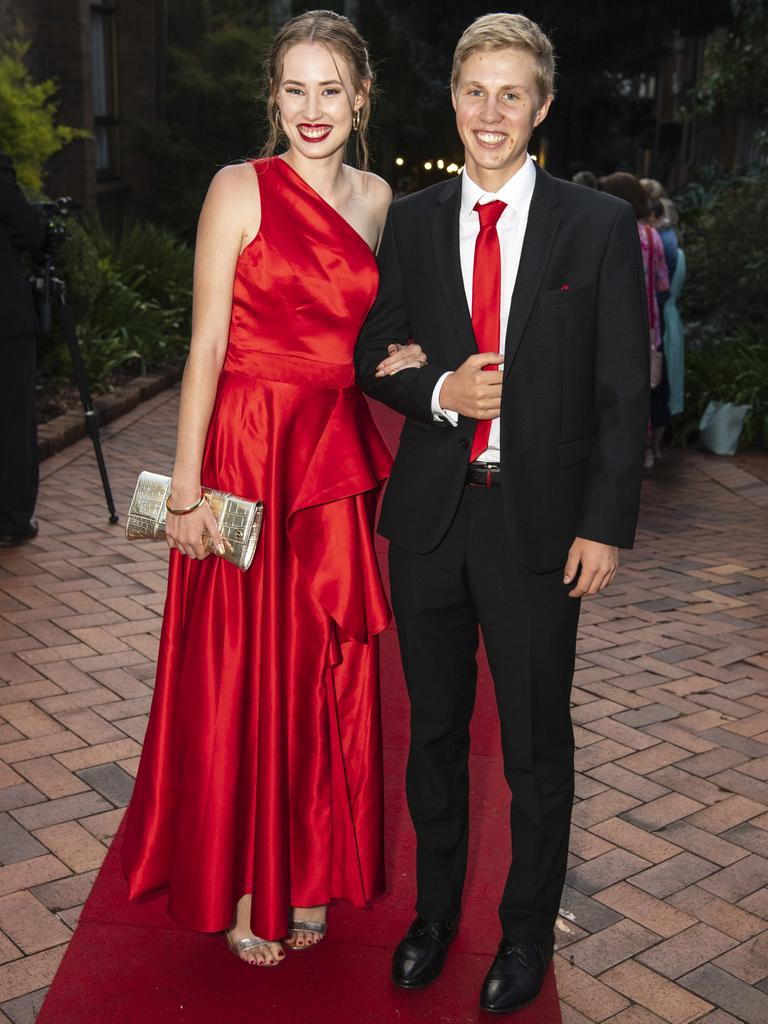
[438,413]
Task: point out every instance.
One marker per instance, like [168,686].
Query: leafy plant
[131,297]
[28,128]
[725,223]
[734,369]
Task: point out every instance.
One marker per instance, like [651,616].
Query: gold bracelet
[184,511]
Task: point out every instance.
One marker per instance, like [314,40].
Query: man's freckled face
[497,107]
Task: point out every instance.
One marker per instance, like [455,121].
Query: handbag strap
[648,232]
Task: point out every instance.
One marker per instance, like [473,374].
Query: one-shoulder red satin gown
[261,771]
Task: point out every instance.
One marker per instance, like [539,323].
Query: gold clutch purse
[239,520]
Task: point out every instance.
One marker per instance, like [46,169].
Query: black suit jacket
[575,397]
[21,228]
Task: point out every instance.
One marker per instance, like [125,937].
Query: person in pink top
[628,187]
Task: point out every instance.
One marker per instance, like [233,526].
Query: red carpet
[129,962]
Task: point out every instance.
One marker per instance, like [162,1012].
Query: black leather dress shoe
[10,540]
[419,958]
[516,976]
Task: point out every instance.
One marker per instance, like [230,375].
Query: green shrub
[731,368]
[150,259]
[725,299]
[28,130]
[725,224]
[131,296]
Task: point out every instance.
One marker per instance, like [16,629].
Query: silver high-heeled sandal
[319,927]
[241,945]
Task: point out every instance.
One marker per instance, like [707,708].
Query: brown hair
[499,31]
[343,40]
[627,187]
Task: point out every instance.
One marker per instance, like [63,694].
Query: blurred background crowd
[130,106]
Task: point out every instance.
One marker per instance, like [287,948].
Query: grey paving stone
[712,761]
[739,880]
[647,715]
[603,871]
[746,1003]
[680,653]
[588,913]
[742,587]
[16,843]
[22,795]
[111,781]
[732,740]
[63,893]
[24,1009]
[65,808]
[669,876]
[750,837]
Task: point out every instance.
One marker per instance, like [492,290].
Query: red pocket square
[564,287]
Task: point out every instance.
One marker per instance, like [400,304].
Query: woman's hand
[185,533]
[401,357]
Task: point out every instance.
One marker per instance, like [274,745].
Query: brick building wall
[62,34]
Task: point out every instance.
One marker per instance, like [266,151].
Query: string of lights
[440,165]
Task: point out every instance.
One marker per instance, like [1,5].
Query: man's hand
[473,391]
[598,562]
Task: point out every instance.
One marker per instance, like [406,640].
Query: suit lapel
[445,241]
[543,221]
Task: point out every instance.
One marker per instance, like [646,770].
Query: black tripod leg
[83,386]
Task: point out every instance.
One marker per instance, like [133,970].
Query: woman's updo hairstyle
[344,41]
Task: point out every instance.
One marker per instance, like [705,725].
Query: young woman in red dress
[259,794]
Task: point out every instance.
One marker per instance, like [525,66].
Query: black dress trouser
[18,433]
[529,627]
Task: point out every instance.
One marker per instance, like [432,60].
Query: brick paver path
[665,915]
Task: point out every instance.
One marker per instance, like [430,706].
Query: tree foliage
[28,129]
[736,69]
[212,105]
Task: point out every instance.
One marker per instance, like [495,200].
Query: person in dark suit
[516,481]
[21,228]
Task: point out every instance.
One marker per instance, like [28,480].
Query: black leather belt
[484,474]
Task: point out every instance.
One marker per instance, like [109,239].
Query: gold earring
[278,119]
[356,119]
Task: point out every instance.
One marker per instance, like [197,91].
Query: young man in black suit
[516,481]
[21,228]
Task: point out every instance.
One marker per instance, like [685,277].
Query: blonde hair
[654,189]
[344,41]
[499,31]
[670,211]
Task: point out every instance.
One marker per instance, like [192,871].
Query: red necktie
[486,300]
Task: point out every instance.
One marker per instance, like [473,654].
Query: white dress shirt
[516,193]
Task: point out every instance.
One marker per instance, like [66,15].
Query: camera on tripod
[55,212]
[50,289]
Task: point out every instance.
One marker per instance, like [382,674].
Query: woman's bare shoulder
[233,201]
[379,189]
[235,183]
